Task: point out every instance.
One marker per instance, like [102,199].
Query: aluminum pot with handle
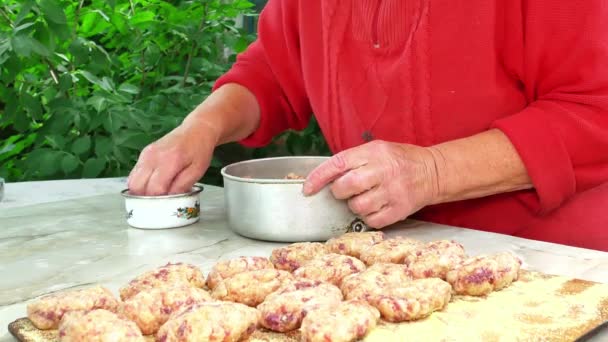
[263,204]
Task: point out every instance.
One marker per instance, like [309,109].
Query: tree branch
[201,27]
[7,18]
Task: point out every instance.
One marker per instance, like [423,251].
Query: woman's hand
[173,163]
[383,182]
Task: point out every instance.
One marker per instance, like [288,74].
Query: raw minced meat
[483,274]
[354,243]
[347,322]
[413,300]
[293,256]
[227,268]
[251,287]
[374,280]
[97,326]
[46,312]
[168,275]
[211,321]
[151,308]
[284,309]
[437,258]
[397,251]
[331,268]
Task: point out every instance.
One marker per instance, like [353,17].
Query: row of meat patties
[332,291]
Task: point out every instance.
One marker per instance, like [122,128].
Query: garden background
[86,84]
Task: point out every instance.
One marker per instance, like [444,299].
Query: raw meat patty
[97,326]
[481,275]
[46,312]
[349,321]
[397,251]
[212,321]
[168,275]
[354,243]
[284,309]
[374,280]
[291,257]
[437,258]
[251,287]
[413,300]
[330,268]
[227,268]
[292,175]
[151,308]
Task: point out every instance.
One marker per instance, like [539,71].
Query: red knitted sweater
[424,72]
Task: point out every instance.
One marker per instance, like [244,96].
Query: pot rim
[226,175]
[198,188]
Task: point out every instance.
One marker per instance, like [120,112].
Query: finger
[138,179]
[334,168]
[383,217]
[139,175]
[356,182]
[184,181]
[161,179]
[369,202]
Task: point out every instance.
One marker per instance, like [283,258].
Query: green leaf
[69,163]
[119,22]
[142,17]
[24,26]
[56,141]
[81,145]
[44,160]
[135,141]
[65,82]
[32,104]
[62,31]
[15,144]
[97,102]
[113,122]
[26,7]
[53,11]
[22,121]
[103,146]
[93,167]
[5,46]
[123,155]
[129,88]
[142,121]
[45,37]
[24,45]
[106,84]
[79,51]
[90,77]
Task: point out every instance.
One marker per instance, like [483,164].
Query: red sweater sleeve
[562,136]
[270,68]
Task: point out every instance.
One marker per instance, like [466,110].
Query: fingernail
[307,189]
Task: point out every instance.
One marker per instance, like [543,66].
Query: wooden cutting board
[538,307]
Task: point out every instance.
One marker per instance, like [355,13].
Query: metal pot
[262,204]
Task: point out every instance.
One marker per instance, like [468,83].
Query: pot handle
[358,226]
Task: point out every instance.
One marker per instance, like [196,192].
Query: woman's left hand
[383,182]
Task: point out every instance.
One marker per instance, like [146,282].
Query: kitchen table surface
[64,234]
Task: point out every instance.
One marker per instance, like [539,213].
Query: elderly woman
[491,115]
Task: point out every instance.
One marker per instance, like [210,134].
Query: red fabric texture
[425,72]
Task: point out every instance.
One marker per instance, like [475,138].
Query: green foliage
[85,85]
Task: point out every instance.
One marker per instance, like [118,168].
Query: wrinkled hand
[172,164]
[383,182]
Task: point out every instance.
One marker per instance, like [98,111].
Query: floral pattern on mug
[188,212]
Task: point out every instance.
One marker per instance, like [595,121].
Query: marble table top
[64,234]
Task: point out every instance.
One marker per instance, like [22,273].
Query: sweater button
[367,136]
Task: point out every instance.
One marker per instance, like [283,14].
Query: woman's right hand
[172,164]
